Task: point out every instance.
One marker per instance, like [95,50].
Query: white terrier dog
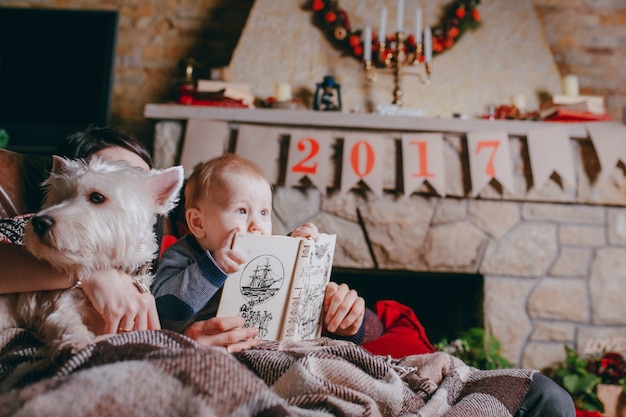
[95,215]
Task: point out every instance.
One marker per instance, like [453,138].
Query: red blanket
[404,334]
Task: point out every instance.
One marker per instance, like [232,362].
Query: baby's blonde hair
[215,173]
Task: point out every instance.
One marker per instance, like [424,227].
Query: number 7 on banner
[309,156]
[489,158]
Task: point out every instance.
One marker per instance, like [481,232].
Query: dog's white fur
[102,216]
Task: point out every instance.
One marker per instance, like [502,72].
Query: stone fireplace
[551,259]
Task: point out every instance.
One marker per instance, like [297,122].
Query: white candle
[400,15]
[383,25]
[428,45]
[283,92]
[418,25]
[519,101]
[367,43]
[570,85]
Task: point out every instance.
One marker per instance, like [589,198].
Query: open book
[280,289]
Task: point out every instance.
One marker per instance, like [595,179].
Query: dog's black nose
[41,224]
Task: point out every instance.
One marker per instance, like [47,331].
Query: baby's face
[246,205]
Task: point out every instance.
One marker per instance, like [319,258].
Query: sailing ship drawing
[263,281]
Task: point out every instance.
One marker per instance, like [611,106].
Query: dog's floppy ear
[165,185]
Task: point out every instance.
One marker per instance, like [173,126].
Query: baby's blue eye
[263,212]
[241,211]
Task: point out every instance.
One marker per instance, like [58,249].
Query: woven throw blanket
[160,373]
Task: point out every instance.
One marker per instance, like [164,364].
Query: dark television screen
[56,74]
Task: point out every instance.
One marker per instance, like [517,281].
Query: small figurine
[325,97]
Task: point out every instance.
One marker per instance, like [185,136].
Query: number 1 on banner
[422,154]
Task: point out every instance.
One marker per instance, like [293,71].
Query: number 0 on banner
[362,161]
[309,156]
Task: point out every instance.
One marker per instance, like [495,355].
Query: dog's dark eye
[96,198]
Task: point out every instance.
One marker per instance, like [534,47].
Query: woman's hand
[343,310]
[121,304]
[224,331]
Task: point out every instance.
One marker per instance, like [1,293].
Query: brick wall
[587,38]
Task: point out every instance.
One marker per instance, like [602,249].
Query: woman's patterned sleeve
[12,228]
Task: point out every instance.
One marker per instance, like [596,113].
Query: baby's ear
[194,222]
[165,185]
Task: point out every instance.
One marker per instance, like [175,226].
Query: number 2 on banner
[490,169]
[310,147]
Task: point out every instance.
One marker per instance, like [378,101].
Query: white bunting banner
[309,156]
[609,140]
[489,158]
[362,161]
[543,144]
[260,144]
[422,161]
[204,140]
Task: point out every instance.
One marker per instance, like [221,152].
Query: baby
[225,196]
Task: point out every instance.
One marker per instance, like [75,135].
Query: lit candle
[367,43]
[383,25]
[428,45]
[418,25]
[400,15]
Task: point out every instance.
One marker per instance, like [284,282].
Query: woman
[112,292]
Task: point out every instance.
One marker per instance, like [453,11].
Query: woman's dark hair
[85,143]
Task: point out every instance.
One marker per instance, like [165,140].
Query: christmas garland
[458,17]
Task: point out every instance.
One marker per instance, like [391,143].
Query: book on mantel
[228,89]
[280,289]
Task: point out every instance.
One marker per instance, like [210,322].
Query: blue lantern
[327,95]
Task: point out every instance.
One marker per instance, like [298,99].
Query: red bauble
[460,12]
[317,5]
[330,17]
[354,41]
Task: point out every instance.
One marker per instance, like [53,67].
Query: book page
[258,291]
[304,312]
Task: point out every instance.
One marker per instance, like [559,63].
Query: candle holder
[395,54]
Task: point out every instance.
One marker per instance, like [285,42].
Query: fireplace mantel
[369,121]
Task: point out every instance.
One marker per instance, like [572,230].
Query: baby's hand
[227,258]
[308,230]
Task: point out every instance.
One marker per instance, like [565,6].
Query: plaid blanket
[160,373]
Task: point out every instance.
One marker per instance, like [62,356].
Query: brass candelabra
[396,54]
